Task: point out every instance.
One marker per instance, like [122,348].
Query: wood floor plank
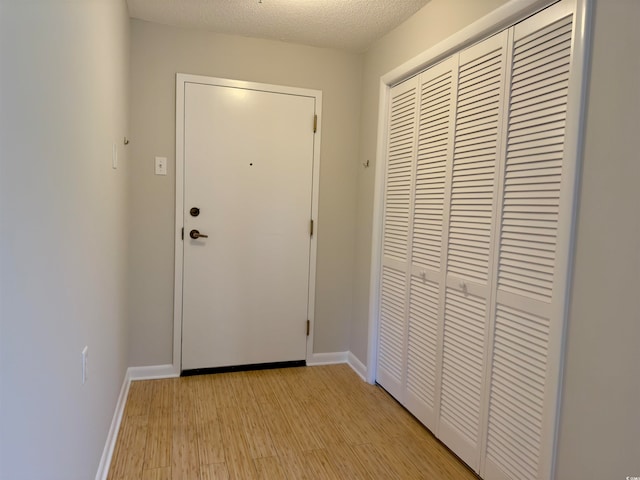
[185,462]
[236,448]
[129,455]
[210,443]
[157,474]
[345,461]
[261,385]
[158,443]
[319,467]
[284,441]
[375,465]
[394,454]
[183,410]
[256,432]
[139,399]
[217,471]
[306,436]
[431,456]
[241,391]
[223,391]
[324,421]
[269,468]
[205,409]
[293,465]
[161,396]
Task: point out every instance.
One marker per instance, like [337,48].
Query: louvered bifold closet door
[535,217]
[432,183]
[480,99]
[392,336]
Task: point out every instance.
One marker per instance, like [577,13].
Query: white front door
[248,177]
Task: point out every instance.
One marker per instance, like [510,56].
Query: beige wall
[64,101]
[600,415]
[158,53]
[433,23]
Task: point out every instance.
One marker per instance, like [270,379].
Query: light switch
[161,165]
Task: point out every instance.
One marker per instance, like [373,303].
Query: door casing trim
[181,80]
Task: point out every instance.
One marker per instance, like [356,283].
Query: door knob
[195,234]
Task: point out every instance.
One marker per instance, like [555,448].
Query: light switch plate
[161,165]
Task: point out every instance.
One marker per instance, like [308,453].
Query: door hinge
[311,228]
[308,327]
[315,123]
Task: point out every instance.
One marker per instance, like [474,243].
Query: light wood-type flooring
[296,423]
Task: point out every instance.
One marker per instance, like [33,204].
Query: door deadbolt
[195,211]
[195,234]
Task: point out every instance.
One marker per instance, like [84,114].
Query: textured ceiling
[345,24]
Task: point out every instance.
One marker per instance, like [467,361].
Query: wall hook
[366,164]
[126,141]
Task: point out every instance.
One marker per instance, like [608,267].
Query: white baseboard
[339,357]
[153,372]
[327,358]
[357,366]
[112,436]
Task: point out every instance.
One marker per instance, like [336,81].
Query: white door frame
[181,80]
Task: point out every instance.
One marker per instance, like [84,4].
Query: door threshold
[243,368]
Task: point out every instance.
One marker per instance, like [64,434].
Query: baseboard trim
[357,366]
[339,357]
[327,358]
[112,436]
[153,372]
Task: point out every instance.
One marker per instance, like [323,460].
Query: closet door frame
[509,14]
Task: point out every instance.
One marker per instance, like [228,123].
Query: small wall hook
[366,164]
[126,141]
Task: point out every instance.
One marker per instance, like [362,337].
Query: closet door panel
[391,337]
[432,183]
[422,361]
[396,240]
[471,225]
[462,374]
[523,382]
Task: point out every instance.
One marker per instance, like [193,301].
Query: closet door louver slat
[476,143]
[528,240]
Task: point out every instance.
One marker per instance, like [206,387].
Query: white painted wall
[63,92]
[600,414]
[158,53]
